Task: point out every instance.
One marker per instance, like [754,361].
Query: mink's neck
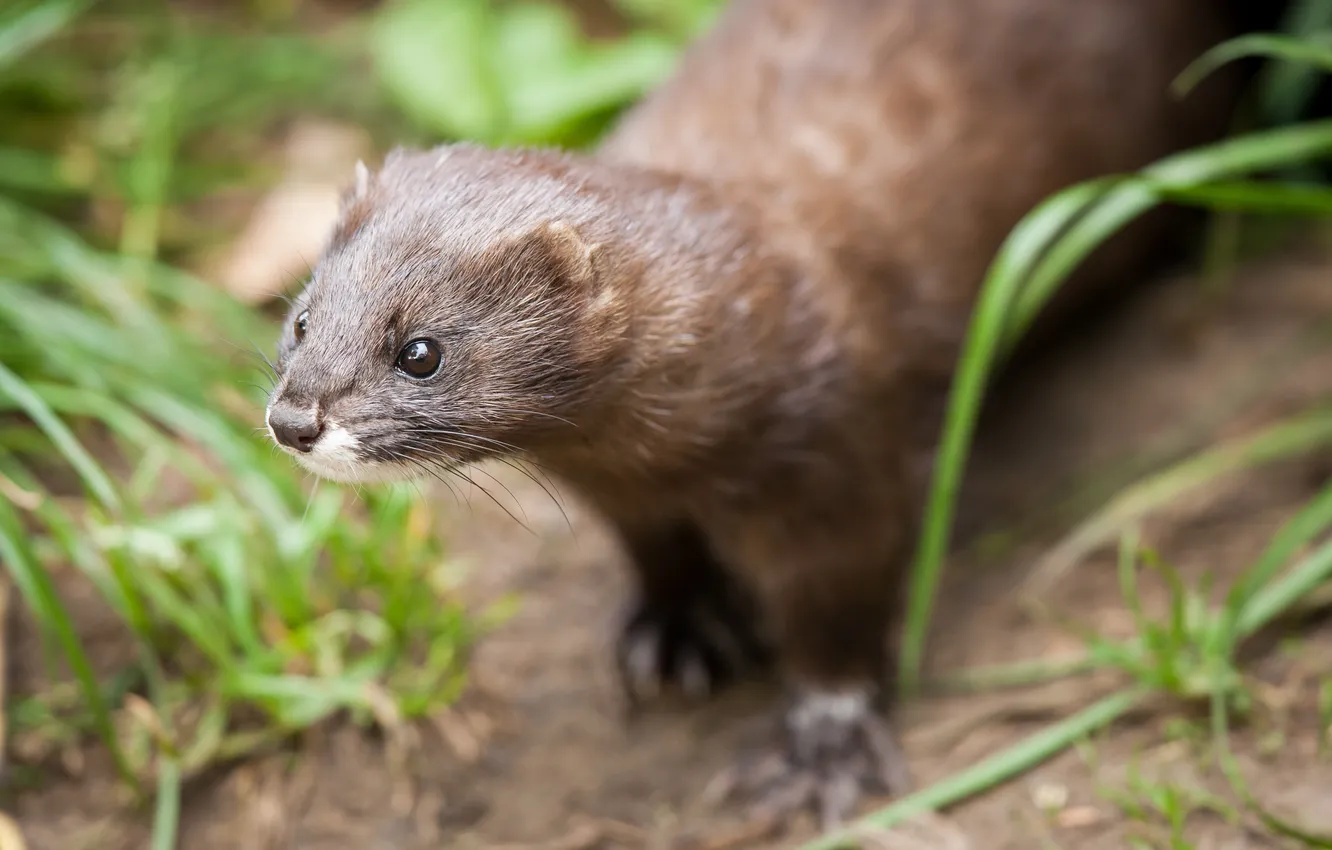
[710,319]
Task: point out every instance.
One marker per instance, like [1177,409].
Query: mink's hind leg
[691,624]
[831,595]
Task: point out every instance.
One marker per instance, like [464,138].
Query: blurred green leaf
[520,73]
[546,102]
[33,171]
[1252,196]
[27,23]
[434,59]
[1313,49]
[684,19]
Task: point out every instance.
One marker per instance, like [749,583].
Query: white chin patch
[334,457]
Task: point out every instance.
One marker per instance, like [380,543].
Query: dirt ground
[538,755]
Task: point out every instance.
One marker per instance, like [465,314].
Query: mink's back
[895,143]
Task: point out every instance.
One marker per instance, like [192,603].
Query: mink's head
[461,311]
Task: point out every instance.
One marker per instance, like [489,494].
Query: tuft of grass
[255,605]
[1041,252]
[1291,438]
[1148,802]
[1189,654]
[1050,242]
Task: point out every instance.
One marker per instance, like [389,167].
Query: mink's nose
[295,427]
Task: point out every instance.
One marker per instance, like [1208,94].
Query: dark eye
[419,359]
[301,325]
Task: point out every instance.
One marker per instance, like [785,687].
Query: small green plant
[1149,802]
[1185,654]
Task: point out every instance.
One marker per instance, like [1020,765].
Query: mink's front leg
[690,625]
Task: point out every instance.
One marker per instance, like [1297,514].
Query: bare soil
[539,755]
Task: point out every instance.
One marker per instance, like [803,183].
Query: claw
[837,751]
[697,649]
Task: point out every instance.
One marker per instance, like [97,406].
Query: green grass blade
[297,701]
[226,562]
[75,546]
[1230,767]
[1304,578]
[1312,49]
[166,814]
[199,622]
[61,437]
[24,26]
[125,423]
[40,594]
[988,322]
[1311,521]
[1283,440]
[1134,196]
[239,453]
[1285,87]
[988,772]
[32,171]
[1252,197]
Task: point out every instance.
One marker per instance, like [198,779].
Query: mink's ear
[354,205]
[556,251]
[356,193]
[574,258]
[361,186]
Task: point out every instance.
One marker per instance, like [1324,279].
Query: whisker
[539,413]
[440,466]
[506,489]
[476,438]
[264,390]
[543,482]
[518,467]
[412,462]
[492,498]
[427,469]
[314,491]
[272,367]
[470,441]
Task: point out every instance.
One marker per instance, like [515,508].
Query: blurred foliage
[524,73]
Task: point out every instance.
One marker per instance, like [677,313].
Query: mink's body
[728,327]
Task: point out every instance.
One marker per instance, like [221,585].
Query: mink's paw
[838,749]
[698,648]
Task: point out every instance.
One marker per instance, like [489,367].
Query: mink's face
[353,408]
[406,356]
